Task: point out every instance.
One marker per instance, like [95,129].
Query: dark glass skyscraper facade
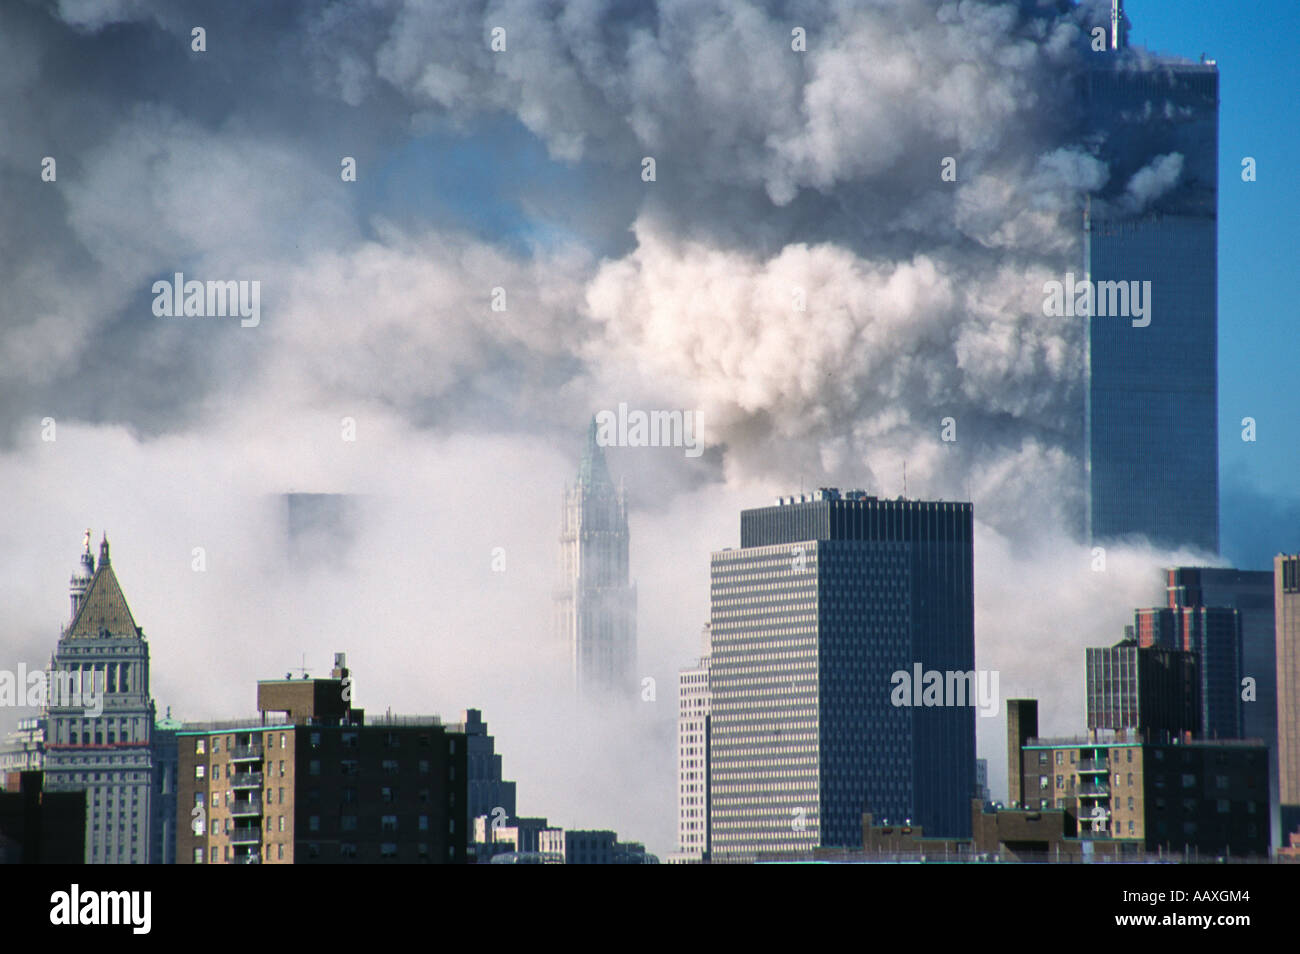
[827,597]
[1151,416]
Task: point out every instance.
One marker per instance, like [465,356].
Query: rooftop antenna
[1117,39]
[302,669]
[904,480]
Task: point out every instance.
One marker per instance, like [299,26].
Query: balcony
[1093,790]
[246,780]
[246,836]
[245,808]
[1094,765]
[246,753]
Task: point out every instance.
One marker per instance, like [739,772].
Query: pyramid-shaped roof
[103,607]
[592,472]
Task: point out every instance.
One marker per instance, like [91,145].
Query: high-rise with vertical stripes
[595,602]
[827,597]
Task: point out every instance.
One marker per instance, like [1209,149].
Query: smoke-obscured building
[1152,406]
[595,601]
[827,597]
[693,720]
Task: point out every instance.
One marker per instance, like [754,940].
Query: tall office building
[596,602]
[827,598]
[1250,593]
[693,720]
[1152,692]
[1151,413]
[108,754]
[1213,635]
[1286,595]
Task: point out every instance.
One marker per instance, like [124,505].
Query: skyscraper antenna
[904,480]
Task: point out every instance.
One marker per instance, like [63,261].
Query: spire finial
[103,549]
[86,542]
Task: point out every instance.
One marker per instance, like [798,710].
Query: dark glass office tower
[828,596]
[1151,415]
[1213,635]
[1250,593]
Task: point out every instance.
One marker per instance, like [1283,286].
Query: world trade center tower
[1152,403]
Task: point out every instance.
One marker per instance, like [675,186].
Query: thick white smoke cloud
[784,179]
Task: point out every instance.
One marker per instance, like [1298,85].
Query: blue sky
[1255,46]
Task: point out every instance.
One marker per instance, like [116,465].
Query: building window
[313,767]
[198,855]
[1224,806]
[1130,755]
[313,823]
[424,766]
[1130,803]
[1189,781]
[1060,758]
[198,746]
[389,766]
[281,822]
[315,740]
[281,740]
[387,794]
[387,850]
[423,823]
[348,850]
[199,770]
[279,852]
[388,823]
[347,823]
[214,855]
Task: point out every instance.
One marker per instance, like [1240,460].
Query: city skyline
[459,255]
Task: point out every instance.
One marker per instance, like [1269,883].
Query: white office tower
[693,761]
[595,601]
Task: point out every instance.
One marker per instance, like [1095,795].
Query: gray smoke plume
[800,271]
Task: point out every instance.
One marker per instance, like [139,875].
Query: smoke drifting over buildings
[799,273]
